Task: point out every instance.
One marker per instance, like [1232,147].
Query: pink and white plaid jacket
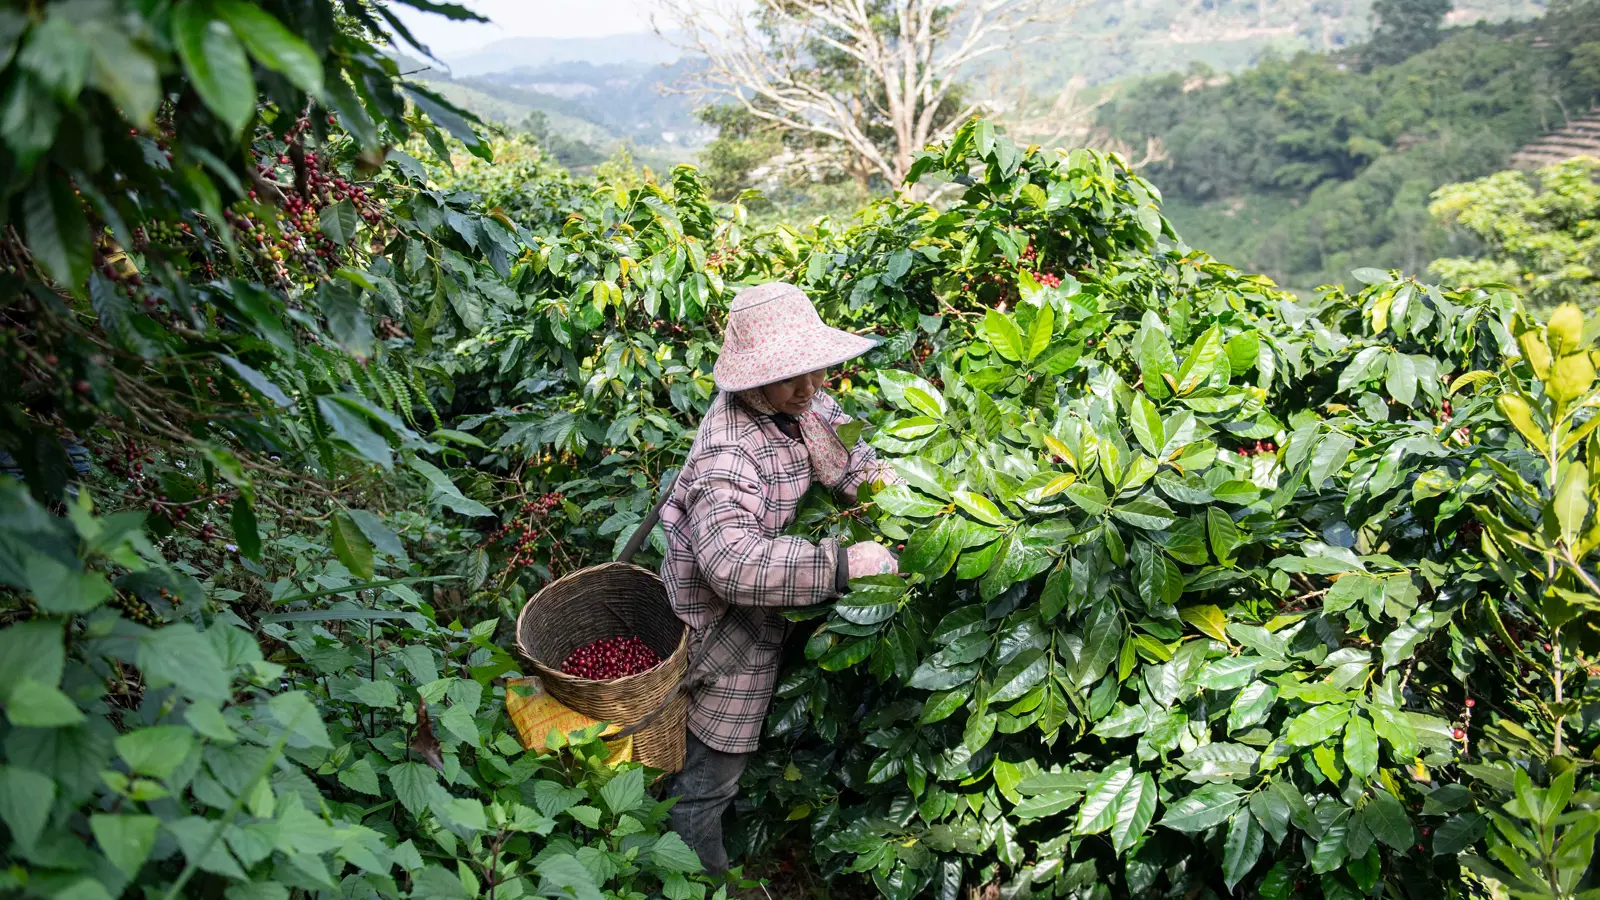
[727,556]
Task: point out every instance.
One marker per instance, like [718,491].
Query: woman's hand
[868,558]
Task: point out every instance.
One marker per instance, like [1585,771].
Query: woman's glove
[868,558]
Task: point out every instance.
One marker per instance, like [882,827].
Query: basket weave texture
[608,601]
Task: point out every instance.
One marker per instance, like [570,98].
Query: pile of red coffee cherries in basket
[610,658]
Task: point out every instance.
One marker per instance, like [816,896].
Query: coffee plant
[1206,588]
[308,382]
[228,666]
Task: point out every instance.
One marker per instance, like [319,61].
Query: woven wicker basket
[607,601]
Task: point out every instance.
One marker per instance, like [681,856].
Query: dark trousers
[707,785]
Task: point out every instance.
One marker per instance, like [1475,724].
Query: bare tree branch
[889,91]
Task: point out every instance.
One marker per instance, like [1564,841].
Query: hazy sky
[520,18]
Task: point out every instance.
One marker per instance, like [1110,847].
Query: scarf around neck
[829,456]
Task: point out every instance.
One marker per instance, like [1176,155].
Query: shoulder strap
[642,533]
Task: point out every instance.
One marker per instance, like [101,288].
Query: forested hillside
[1110,40]
[1306,166]
[584,112]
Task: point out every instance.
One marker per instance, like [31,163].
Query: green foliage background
[1208,588]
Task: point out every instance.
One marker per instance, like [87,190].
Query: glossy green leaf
[1361,746]
[1002,334]
[1149,512]
[1460,832]
[215,62]
[927,477]
[1386,817]
[1241,848]
[1316,725]
[1210,805]
[1207,619]
[1020,676]
[1571,501]
[273,45]
[1147,427]
[980,508]
[1251,706]
[901,500]
[1088,498]
[1200,361]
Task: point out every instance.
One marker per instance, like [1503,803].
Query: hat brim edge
[868,343]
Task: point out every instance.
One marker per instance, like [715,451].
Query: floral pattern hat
[774,333]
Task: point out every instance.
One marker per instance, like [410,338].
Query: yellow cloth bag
[535,714]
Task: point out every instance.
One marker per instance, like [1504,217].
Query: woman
[770,433]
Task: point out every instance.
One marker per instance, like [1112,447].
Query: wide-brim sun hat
[774,334]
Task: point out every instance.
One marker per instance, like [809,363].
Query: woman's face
[794,395]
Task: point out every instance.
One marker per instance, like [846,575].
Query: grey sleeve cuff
[842,584]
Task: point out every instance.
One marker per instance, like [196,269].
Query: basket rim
[546,671]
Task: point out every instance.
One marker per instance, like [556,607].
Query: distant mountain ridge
[644,47]
[610,91]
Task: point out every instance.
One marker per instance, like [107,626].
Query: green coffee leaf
[216,63]
[1211,805]
[1147,428]
[1002,334]
[1459,832]
[57,232]
[351,546]
[1316,725]
[1201,361]
[1251,706]
[273,45]
[1020,676]
[901,500]
[353,429]
[980,508]
[1361,746]
[925,476]
[1207,619]
[1386,817]
[1241,848]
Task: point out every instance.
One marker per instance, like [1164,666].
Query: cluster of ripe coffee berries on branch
[544,505]
[610,658]
[128,461]
[524,535]
[1260,448]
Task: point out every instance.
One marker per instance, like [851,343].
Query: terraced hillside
[1580,137]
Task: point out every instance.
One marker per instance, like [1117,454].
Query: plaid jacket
[727,557]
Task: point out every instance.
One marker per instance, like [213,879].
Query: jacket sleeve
[864,464]
[742,566]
